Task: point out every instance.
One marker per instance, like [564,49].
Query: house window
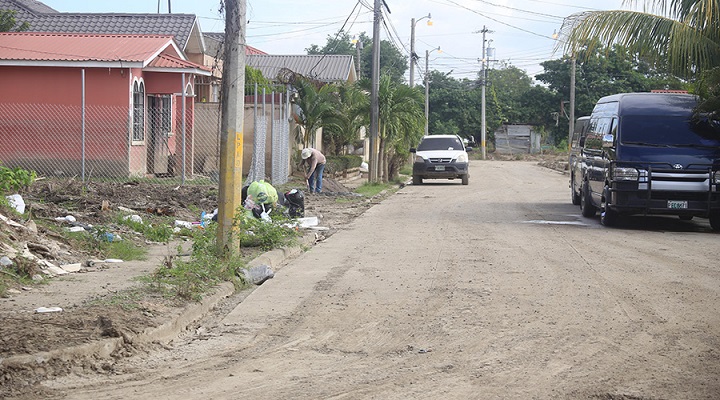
[138,111]
[166,115]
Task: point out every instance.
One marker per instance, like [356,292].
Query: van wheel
[465,179]
[417,180]
[715,221]
[608,217]
[586,208]
[574,194]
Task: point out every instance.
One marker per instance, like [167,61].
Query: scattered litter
[105,205]
[48,309]
[423,351]
[134,218]
[110,237]
[258,274]
[16,201]
[72,267]
[128,210]
[67,218]
[57,270]
[75,229]
[364,167]
[46,263]
[307,222]
[112,260]
[183,224]
[319,228]
[5,261]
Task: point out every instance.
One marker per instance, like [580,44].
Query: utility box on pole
[231,127]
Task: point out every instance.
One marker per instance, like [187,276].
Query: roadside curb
[193,312]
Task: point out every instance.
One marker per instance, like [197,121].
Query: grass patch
[374,188]
[159,230]
[98,244]
[128,299]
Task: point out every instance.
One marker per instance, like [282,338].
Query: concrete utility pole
[483,81]
[427,90]
[231,130]
[572,101]
[413,56]
[374,94]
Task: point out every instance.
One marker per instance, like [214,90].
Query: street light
[427,88]
[414,56]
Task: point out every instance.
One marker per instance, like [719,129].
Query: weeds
[374,188]
[102,244]
[160,232]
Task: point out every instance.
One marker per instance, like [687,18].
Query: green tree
[454,106]
[345,121]
[316,104]
[8,22]
[254,76]
[682,35]
[392,62]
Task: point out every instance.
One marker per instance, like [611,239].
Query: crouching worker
[316,162]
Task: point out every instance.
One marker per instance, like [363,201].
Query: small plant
[15,179]
[267,235]
[160,232]
[372,189]
[104,244]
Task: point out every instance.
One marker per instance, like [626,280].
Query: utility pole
[374,93]
[231,130]
[427,89]
[572,101]
[358,48]
[483,81]
[413,56]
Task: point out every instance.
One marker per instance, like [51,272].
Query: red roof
[252,50]
[83,47]
[167,61]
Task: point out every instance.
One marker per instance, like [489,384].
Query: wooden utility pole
[231,128]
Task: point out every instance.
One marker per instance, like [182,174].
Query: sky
[519,31]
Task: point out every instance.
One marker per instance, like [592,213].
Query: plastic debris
[5,261]
[48,309]
[67,218]
[112,260]
[258,274]
[183,224]
[75,229]
[72,267]
[16,201]
[307,222]
[134,218]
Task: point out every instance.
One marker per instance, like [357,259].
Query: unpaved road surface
[494,290]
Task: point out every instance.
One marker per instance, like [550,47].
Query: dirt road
[494,290]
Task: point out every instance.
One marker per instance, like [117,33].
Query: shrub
[15,179]
[336,164]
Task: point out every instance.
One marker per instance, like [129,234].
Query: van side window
[597,128]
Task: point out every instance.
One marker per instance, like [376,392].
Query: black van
[575,158]
[645,154]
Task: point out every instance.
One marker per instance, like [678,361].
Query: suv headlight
[419,159]
[626,174]
[462,158]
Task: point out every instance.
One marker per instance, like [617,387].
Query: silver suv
[440,157]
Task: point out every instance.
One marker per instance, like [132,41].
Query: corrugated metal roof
[214,41]
[327,68]
[165,61]
[69,47]
[44,19]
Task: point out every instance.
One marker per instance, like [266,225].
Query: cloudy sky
[520,31]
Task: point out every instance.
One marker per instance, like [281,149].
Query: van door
[596,162]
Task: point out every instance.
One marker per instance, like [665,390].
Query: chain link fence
[167,140]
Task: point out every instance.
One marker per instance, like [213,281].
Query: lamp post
[414,56]
[427,89]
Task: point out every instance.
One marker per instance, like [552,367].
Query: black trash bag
[295,202]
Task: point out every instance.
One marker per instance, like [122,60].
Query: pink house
[97,104]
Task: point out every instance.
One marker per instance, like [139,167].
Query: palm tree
[316,104]
[401,122]
[683,33]
[344,123]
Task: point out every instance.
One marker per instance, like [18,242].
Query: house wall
[41,122]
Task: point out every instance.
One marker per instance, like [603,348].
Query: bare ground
[96,299]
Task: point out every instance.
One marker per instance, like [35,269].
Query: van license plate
[677,205]
[440,168]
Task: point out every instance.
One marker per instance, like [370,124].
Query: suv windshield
[440,144]
[669,131]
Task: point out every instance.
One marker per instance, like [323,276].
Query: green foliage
[317,104]
[373,188]
[8,22]
[253,76]
[103,244]
[393,63]
[267,235]
[15,179]
[343,124]
[160,232]
[336,164]
[205,269]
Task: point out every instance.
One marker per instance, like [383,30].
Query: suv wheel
[417,180]
[465,179]
[715,221]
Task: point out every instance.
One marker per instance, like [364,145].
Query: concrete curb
[163,333]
